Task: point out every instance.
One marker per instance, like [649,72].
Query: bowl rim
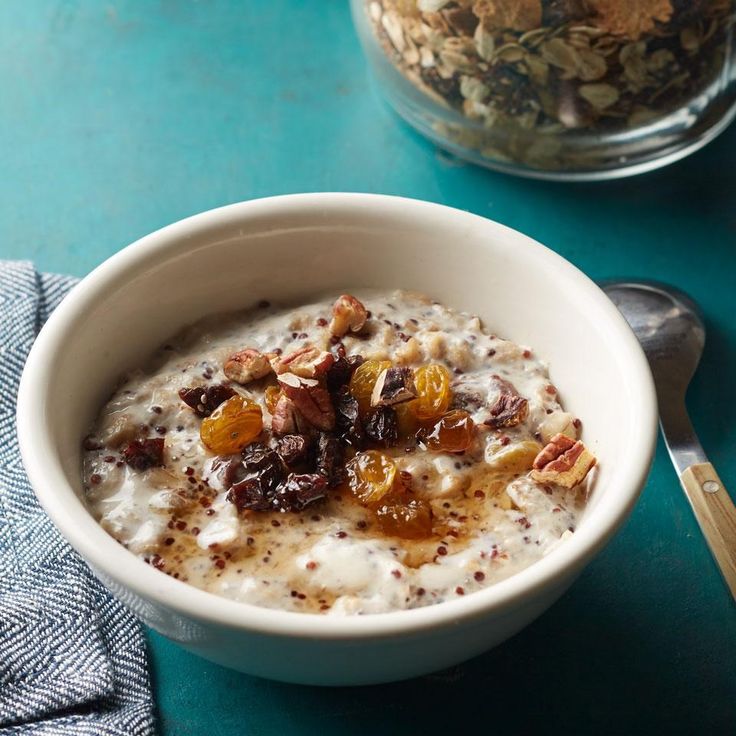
[105,554]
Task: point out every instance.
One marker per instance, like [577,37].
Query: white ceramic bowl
[287,249]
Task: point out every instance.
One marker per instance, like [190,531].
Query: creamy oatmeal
[346,458]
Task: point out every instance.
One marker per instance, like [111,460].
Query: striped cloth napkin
[72,658]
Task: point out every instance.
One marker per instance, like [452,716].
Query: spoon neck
[679,436]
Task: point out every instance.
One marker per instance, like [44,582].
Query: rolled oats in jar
[557,88]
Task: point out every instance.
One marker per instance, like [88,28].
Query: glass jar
[557,89]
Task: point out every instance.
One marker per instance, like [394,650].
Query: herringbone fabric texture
[72,659]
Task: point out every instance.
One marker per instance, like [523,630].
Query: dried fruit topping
[205,399]
[271,397]
[510,408]
[453,432]
[144,454]
[563,461]
[382,426]
[406,422]
[432,384]
[341,371]
[393,386]
[364,380]
[250,494]
[408,519]
[330,459]
[348,424]
[254,479]
[293,448]
[247,365]
[232,426]
[307,362]
[299,491]
[310,398]
[348,315]
[371,476]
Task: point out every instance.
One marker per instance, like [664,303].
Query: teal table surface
[121,116]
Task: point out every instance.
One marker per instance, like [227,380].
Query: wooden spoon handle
[716,515]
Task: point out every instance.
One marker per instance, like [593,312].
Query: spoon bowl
[670,328]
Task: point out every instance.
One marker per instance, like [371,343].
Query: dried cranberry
[144,454]
[341,370]
[205,399]
[382,426]
[249,494]
[293,448]
[298,491]
[254,478]
[466,400]
[330,459]
[348,424]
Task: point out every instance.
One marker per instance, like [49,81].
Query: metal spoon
[671,331]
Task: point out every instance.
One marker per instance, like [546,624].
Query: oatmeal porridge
[345,457]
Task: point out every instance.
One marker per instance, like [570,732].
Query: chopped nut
[348,315]
[246,365]
[286,418]
[563,461]
[510,408]
[393,386]
[310,398]
[306,362]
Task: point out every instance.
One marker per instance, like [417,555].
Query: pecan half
[563,461]
[310,398]
[393,386]
[286,418]
[348,315]
[510,408]
[307,362]
[247,365]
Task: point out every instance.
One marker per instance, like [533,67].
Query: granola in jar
[567,86]
[351,456]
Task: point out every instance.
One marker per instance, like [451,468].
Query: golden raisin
[232,426]
[364,379]
[371,476]
[271,397]
[408,519]
[453,432]
[432,383]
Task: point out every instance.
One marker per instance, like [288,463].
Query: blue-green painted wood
[119,117]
